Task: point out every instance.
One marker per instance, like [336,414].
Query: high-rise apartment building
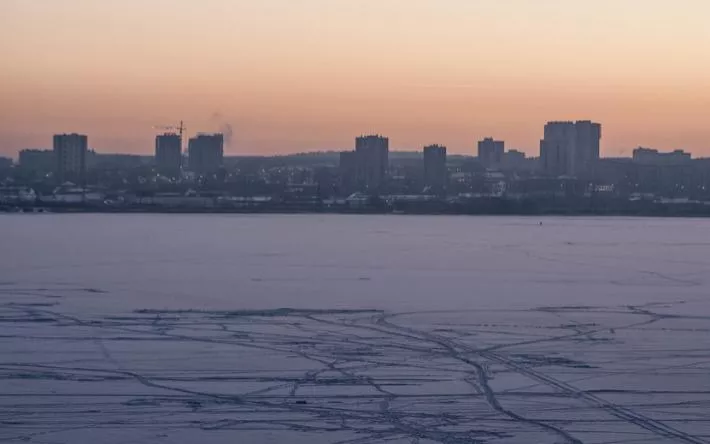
[570,148]
[206,153]
[490,152]
[435,173]
[70,156]
[556,148]
[372,153]
[168,153]
[586,154]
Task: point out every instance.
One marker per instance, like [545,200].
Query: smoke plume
[224,127]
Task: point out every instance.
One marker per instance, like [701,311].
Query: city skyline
[288,77]
[182,141]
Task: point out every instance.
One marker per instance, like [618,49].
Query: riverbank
[487,207]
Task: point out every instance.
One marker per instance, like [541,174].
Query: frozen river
[353,329]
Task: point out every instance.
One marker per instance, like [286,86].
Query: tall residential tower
[70,156]
[570,148]
[435,173]
[490,152]
[372,153]
[206,153]
[168,153]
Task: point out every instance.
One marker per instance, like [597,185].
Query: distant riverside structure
[348,172]
[648,156]
[38,160]
[168,152]
[570,148]
[372,156]
[5,162]
[70,155]
[435,173]
[515,160]
[206,153]
[490,152]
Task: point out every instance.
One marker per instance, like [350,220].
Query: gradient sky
[302,75]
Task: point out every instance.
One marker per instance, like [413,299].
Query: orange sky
[303,75]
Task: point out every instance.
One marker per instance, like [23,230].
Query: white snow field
[353,329]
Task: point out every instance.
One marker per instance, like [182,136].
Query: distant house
[69,193]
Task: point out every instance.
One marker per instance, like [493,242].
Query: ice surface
[333,329]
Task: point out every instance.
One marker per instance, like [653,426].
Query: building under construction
[168,153]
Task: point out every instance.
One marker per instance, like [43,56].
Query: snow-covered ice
[363,329]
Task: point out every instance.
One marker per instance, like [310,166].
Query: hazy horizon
[312,75]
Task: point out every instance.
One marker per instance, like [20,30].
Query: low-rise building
[648,156]
[17,195]
[37,160]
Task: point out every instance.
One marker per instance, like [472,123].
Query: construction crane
[179,128]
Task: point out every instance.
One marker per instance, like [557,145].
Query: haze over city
[310,75]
